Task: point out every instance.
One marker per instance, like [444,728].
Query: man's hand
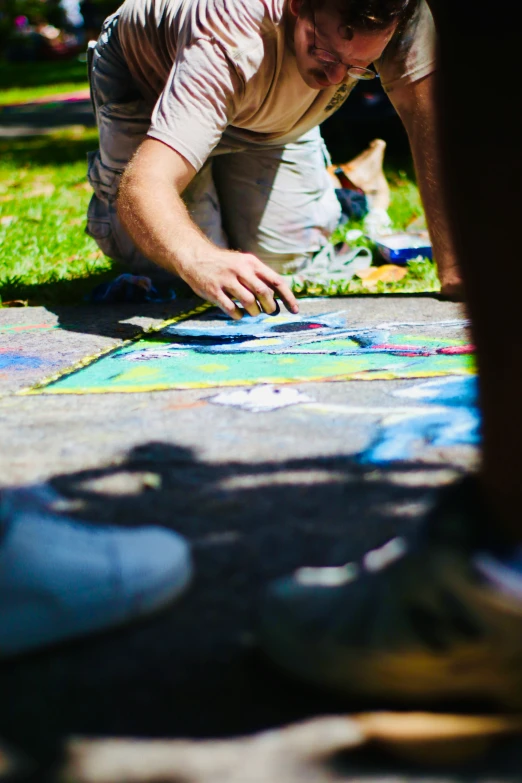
[225,275]
[152,211]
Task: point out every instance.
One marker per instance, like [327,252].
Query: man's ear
[295,7]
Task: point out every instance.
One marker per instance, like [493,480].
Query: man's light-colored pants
[276,202]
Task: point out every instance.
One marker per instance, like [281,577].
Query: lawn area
[46,257]
[43,200]
[21,82]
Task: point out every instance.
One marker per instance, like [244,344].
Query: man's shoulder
[418,23]
[237,12]
[410,55]
[203,16]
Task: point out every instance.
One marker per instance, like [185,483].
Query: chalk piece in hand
[277,310]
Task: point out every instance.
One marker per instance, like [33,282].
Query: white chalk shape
[261,398]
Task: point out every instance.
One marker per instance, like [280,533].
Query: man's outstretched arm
[152,211]
[415,104]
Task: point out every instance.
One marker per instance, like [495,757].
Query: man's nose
[336,73]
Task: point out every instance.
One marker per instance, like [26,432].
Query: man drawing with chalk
[211,163]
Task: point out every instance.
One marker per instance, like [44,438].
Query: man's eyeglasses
[329,60]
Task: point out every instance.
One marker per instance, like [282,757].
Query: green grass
[21,82]
[44,253]
[405,208]
[45,256]
[406,205]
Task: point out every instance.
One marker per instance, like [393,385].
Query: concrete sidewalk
[256,494]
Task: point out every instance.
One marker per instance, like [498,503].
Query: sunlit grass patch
[24,82]
[43,200]
[421,273]
[406,205]
[421,277]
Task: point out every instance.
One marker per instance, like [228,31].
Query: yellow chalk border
[39,388]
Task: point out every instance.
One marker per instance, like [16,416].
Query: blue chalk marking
[257,326]
[17,361]
[457,424]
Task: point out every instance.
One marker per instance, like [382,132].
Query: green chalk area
[129,369]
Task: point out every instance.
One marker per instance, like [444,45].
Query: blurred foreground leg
[60,578]
[441,619]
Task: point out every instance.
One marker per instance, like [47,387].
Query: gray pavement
[257,495]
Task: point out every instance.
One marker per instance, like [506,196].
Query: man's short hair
[365,15]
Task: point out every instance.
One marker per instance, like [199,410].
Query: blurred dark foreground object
[291,754]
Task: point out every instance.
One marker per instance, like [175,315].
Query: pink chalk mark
[413,350]
[456,350]
[24,327]
[64,97]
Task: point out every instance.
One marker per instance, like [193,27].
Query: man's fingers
[247,297]
[265,282]
[261,292]
[285,292]
[229,307]
[277,283]
[267,301]
[248,280]
[220,299]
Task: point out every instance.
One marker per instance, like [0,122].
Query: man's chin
[322,83]
[315,80]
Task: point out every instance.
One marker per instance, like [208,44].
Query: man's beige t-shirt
[223,70]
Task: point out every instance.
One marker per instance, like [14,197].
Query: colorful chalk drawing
[453,420]
[214,351]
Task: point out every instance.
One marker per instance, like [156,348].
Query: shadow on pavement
[69,299]
[111,320]
[192,671]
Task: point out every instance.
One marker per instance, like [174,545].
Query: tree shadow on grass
[41,73]
[54,292]
[53,149]
[31,118]
[193,671]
